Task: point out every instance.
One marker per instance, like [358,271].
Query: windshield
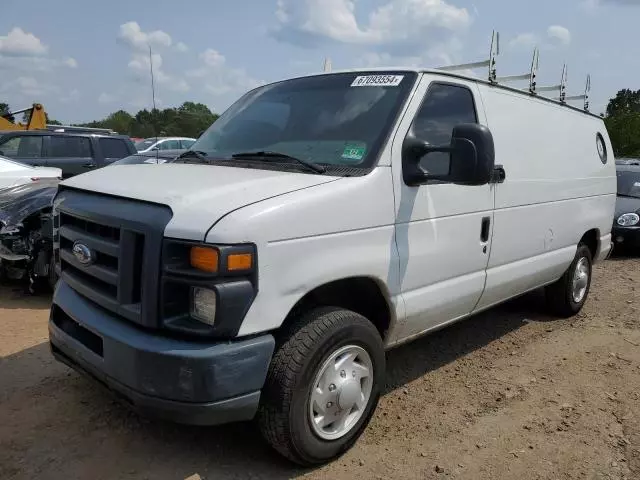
[337,119]
[144,144]
[629,183]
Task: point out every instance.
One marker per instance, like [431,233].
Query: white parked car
[164,143]
[14,173]
[319,221]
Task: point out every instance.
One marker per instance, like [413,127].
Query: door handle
[484,229]
[89,165]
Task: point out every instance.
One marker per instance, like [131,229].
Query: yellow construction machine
[37,119]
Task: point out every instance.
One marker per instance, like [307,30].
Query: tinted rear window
[69,147]
[113,148]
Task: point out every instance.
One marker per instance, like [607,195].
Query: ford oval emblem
[83,254]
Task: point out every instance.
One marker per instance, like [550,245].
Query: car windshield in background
[335,120]
[629,183]
[144,144]
[141,158]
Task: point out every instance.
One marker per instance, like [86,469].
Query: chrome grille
[124,238]
[115,282]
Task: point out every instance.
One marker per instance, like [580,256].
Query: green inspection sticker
[354,151]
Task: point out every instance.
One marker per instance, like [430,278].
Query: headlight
[203,305]
[206,290]
[628,219]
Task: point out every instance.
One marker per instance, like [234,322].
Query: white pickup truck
[318,222]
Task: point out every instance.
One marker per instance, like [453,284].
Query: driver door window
[444,107]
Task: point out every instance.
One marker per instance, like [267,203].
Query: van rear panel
[557,189]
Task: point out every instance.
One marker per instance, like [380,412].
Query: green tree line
[623,123]
[5,110]
[188,120]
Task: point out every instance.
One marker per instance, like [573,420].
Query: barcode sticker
[377,81]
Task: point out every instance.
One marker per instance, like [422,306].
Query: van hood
[198,195]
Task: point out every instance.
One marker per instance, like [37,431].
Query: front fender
[311,237]
[291,269]
[18,203]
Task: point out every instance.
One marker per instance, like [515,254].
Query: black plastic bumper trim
[213,413]
[154,365]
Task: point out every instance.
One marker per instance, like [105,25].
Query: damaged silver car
[26,234]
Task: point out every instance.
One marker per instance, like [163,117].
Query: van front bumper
[198,383]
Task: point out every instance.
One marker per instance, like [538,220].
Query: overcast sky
[84,59]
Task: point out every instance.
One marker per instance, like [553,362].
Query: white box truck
[320,221]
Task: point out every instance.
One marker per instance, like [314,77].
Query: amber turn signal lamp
[239,261]
[204,258]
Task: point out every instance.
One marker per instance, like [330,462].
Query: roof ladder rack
[584,96]
[490,63]
[531,76]
[560,88]
[534,89]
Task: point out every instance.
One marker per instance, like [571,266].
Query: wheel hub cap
[580,280]
[341,392]
[349,393]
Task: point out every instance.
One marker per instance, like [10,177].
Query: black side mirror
[471,157]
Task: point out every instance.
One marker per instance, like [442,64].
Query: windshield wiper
[199,154]
[267,154]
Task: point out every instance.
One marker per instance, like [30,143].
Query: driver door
[443,230]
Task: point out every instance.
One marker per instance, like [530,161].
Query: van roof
[451,74]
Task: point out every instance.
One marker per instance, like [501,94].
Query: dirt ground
[509,394]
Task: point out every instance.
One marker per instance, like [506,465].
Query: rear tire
[567,296]
[323,385]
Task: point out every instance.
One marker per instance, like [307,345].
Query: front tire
[323,385]
[567,296]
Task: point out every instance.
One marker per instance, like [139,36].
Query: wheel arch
[365,295]
[591,239]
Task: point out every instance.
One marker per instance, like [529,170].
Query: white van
[318,222]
